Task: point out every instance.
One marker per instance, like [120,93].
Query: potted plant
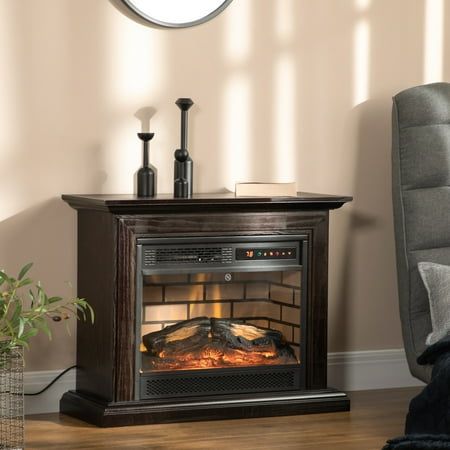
[25,310]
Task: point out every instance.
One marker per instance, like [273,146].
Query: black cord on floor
[53,381]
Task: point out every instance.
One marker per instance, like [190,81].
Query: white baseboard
[374,369]
[348,371]
[48,401]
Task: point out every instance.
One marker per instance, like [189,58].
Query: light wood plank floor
[375,417]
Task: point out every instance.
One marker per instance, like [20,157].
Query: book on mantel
[266,190]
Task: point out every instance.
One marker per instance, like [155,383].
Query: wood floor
[375,417]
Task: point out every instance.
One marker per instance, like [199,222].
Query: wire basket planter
[11,400]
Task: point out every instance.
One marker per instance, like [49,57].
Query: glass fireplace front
[220,316]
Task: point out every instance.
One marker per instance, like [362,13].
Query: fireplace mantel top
[131,204]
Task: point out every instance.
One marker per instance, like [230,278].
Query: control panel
[265,253]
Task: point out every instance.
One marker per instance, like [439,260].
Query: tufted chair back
[421,200]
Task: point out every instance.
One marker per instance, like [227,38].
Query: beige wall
[284,89]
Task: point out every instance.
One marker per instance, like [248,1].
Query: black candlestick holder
[183,164]
[146,176]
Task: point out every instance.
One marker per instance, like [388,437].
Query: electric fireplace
[210,307]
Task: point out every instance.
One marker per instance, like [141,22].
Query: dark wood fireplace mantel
[128,204]
[108,229]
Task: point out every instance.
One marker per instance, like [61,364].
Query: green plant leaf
[21,327]
[41,294]
[24,270]
[32,297]
[41,324]
[91,310]
[3,277]
[82,312]
[24,282]
[22,343]
[29,334]
[86,307]
[16,313]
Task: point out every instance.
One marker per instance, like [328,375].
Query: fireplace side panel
[317,330]
[96,283]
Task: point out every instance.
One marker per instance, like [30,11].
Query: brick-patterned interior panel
[265,299]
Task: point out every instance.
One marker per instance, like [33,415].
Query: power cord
[53,381]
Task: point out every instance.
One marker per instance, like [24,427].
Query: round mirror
[177,13]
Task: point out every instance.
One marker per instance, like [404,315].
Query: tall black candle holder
[146,176]
[183,164]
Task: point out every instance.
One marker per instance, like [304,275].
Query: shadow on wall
[44,235]
[362,221]
[369,246]
[365,304]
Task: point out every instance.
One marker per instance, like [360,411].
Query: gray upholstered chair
[421,198]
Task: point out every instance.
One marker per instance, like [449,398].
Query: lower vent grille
[158,386]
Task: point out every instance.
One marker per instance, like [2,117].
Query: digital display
[266,253]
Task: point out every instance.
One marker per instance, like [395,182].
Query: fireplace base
[213,408]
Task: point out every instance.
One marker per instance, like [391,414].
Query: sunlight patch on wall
[361,62]
[284,119]
[238,129]
[237,37]
[136,68]
[236,125]
[434,41]
[284,20]
[362,5]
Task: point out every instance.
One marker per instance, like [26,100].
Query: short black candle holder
[146,176]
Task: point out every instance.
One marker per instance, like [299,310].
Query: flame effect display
[204,343]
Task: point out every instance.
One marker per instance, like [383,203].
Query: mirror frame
[160,23]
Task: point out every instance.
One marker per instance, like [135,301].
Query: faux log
[207,343]
[172,339]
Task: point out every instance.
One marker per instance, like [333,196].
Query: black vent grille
[187,255]
[210,384]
